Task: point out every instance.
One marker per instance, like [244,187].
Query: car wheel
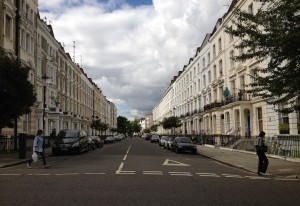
[177,150]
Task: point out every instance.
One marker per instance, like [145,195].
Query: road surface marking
[39,174]
[64,174]
[208,175]
[10,174]
[125,157]
[257,177]
[152,173]
[233,176]
[181,173]
[94,173]
[169,162]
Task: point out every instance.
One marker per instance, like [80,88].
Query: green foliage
[16,92]
[133,127]
[171,123]
[154,128]
[272,34]
[284,128]
[122,124]
[147,130]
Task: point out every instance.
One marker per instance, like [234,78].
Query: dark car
[154,138]
[98,141]
[183,144]
[70,141]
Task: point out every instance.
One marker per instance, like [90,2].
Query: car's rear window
[68,133]
[184,140]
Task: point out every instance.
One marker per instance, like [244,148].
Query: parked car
[92,145]
[169,142]
[162,140]
[109,139]
[183,144]
[70,141]
[148,137]
[154,138]
[98,141]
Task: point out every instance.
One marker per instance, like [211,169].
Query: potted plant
[284,129]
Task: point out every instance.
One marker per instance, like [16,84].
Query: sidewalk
[12,158]
[288,169]
[240,159]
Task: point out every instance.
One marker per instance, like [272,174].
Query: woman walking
[38,148]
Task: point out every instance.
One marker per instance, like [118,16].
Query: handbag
[34,157]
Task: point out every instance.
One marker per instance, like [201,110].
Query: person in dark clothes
[261,150]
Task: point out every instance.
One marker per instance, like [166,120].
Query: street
[137,172]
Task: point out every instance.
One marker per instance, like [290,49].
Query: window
[260,119]
[221,67]
[250,9]
[242,82]
[214,51]
[203,63]
[232,62]
[215,71]
[230,36]
[232,86]
[8,25]
[220,45]
[253,75]
[209,77]
[204,81]
[208,58]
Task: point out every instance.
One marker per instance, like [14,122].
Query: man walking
[261,149]
[38,148]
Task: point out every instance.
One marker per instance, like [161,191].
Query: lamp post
[44,80]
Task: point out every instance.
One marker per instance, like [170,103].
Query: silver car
[162,140]
[169,142]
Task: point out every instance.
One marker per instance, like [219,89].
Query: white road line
[125,173]
[94,173]
[181,173]
[257,178]
[152,173]
[125,157]
[62,174]
[10,174]
[38,174]
[120,167]
[208,175]
[233,176]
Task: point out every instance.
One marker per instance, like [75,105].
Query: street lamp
[44,81]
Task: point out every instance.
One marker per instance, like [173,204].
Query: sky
[132,49]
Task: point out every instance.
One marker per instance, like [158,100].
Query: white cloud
[133,53]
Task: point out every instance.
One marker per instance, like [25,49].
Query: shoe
[46,166]
[28,166]
[261,174]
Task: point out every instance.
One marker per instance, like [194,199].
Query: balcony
[237,97]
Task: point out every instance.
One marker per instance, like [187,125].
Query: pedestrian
[261,150]
[38,148]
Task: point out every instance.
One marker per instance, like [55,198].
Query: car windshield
[68,134]
[184,140]
[163,138]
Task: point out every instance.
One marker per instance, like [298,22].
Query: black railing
[11,144]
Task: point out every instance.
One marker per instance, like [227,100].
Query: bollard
[22,146]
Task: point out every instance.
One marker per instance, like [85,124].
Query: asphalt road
[137,172]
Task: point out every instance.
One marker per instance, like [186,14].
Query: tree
[171,123]
[133,127]
[154,127]
[16,92]
[272,34]
[96,124]
[122,124]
